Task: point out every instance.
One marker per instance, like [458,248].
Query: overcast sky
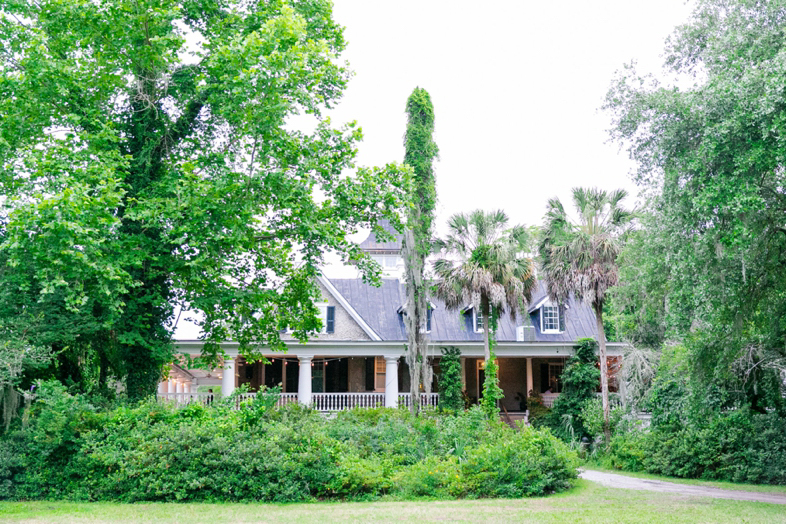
[516,85]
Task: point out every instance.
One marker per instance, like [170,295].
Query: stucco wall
[345,326]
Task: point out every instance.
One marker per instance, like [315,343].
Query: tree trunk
[484,308]
[415,317]
[604,372]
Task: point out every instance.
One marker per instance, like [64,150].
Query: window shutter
[330,324]
[428,320]
[562,317]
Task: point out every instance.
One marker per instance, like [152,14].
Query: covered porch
[337,376]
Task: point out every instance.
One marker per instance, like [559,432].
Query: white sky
[516,87]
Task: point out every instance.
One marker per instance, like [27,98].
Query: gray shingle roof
[370,243]
[378,307]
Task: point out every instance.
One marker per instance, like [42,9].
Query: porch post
[180,386]
[228,378]
[163,387]
[391,381]
[463,361]
[304,381]
[187,387]
[530,382]
[171,386]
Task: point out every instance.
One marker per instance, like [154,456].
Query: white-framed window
[386,261]
[477,320]
[555,376]
[327,315]
[549,318]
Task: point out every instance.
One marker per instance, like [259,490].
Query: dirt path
[613,480]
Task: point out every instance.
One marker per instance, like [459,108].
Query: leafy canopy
[146,164]
[712,157]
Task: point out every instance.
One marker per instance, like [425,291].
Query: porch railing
[342,401]
[426,400]
[187,398]
[549,398]
[320,401]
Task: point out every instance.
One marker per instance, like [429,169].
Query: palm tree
[487,267]
[580,258]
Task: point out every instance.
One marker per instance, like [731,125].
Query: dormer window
[402,310]
[477,320]
[549,318]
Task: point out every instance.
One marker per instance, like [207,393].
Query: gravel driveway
[613,480]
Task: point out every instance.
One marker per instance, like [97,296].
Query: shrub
[580,381]
[161,452]
[737,447]
[525,463]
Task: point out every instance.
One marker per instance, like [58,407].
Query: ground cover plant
[150,451]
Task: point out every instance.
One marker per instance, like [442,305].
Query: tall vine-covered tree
[580,258]
[485,267]
[420,152]
[145,164]
[713,157]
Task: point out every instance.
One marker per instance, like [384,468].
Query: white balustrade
[320,401]
[342,401]
[549,398]
[426,400]
[187,398]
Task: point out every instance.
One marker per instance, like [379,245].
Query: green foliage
[579,384]
[579,259]
[530,462]
[153,169]
[485,266]
[739,446]
[492,393]
[160,452]
[450,389]
[591,416]
[420,152]
[707,268]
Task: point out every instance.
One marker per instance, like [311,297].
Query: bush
[526,463]
[580,381]
[160,452]
[737,447]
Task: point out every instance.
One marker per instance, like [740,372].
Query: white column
[304,381]
[391,381]
[530,382]
[463,373]
[228,378]
[180,386]
[171,386]
[163,387]
[187,387]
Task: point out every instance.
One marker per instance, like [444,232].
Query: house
[358,358]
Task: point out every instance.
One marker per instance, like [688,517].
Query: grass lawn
[762,488]
[586,502]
